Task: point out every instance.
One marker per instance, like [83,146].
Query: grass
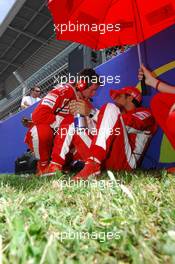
[42,222]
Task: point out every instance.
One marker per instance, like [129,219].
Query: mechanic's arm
[152,81]
[142,120]
[43,115]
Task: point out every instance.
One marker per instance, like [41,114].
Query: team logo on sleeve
[50,100]
[142,115]
[48,103]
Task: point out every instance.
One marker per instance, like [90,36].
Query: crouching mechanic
[123,132]
[51,112]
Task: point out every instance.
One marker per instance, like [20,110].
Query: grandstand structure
[30,54]
[29,50]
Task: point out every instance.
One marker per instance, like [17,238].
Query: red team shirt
[48,114]
[56,102]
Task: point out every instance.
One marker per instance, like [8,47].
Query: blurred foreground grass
[49,221]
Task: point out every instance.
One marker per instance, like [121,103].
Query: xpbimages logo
[71,131]
[101,236]
[103,80]
[80,27]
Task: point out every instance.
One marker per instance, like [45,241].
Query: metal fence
[44,78]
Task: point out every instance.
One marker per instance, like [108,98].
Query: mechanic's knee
[112,108]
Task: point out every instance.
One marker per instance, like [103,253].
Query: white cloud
[5,6]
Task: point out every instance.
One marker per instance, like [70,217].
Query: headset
[83,85]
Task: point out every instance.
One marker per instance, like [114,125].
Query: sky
[5,6]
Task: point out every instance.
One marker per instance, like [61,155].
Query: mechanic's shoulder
[62,89]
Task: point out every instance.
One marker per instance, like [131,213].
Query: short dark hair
[33,88]
[90,73]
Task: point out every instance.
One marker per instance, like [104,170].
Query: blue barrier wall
[159,51]
[12,144]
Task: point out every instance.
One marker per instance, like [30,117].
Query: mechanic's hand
[149,76]
[80,107]
[26,122]
[172,109]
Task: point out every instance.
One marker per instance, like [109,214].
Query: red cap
[133,91]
